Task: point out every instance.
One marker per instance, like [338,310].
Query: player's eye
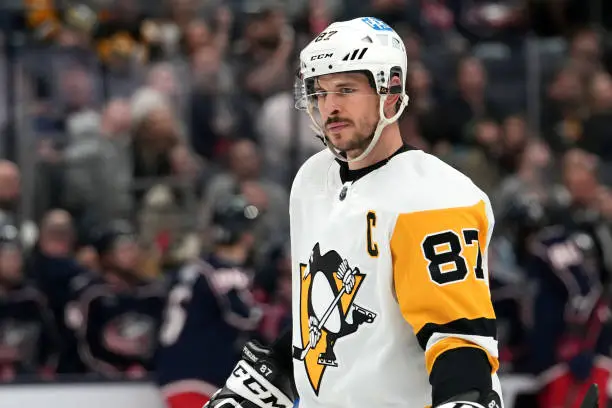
[320,95]
[346,91]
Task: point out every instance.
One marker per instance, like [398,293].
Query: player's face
[349,110]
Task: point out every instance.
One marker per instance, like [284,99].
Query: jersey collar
[347,175]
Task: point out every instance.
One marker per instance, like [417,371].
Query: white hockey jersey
[414,233]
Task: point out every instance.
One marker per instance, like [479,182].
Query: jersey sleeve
[441,279]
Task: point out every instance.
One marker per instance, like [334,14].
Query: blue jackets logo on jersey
[327,311]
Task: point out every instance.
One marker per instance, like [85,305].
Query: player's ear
[392,99]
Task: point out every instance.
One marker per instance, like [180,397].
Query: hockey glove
[255,382]
[492,400]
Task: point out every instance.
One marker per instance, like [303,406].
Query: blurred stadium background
[149,113]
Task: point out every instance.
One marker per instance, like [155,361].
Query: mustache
[335,119]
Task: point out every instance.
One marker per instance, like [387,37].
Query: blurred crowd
[125,124]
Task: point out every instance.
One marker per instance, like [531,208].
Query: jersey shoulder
[436,202]
[424,182]
[315,173]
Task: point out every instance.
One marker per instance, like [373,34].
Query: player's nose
[332,104]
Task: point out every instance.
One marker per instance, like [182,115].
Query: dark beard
[359,145]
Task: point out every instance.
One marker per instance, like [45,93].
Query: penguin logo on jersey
[327,311]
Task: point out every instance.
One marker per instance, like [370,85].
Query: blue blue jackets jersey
[208,312]
[62,280]
[28,337]
[119,326]
[569,304]
[511,301]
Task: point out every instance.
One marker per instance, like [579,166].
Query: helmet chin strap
[382,123]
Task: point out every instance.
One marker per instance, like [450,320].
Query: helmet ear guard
[396,89]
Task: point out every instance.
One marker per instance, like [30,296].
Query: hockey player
[391,302]
[121,312]
[208,312]
[53,268]
[29,342]
[571,336]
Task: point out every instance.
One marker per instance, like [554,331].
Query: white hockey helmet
[363,44]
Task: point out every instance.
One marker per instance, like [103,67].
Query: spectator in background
[164,172]
[577,90]
[497,151]
[563,110]
[314,16]
[244,177]
[10,192]
[580,178]
[533,177]
[514,141]
[156,130]
[181,12]
[267,48]
[197,34]
[184,26]
[77,92]
[478,161]
[170,238]
[469,104]
[119,39]
[98,169]
[186,166]
[598,126]
[164,77]
[57,70]
[412,42]
[420,126]
[213,107]
[585,53]
[487,20]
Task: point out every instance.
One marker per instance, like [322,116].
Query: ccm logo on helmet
[321,56]
[243,378]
